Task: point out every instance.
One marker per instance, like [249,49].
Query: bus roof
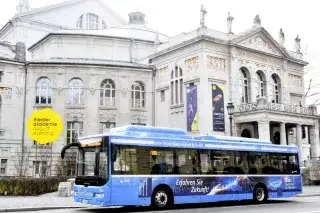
[171,137]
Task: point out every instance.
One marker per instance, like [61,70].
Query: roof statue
[203,12]
[230,20]
[281,37]
[257,21]
[297,46]
[23,6]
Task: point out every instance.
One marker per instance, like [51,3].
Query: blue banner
[192,109]
[218,108]
[186,186]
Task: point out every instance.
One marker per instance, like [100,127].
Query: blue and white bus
[142,166]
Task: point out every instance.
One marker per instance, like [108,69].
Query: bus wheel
[161,198]
[260,194]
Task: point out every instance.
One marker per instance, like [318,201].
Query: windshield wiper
[64,149]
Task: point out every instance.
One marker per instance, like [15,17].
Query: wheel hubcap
[161,199]
[260,194]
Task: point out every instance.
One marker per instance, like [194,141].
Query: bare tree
[67,166]
[21,163]
[44,156]
[312,94]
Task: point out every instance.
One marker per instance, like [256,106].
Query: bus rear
[92,180]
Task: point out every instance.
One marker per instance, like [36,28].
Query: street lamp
[230,108]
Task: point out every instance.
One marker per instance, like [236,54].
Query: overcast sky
[176,16]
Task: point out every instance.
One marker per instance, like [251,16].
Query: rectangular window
[162,96]
[3,166]
[74,130]
[138,124]
[151,160]
[106,126]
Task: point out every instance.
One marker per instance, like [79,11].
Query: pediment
[261,41]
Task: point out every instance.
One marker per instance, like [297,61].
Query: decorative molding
[215,63]
[295,80]
[215,80]
[75,115]
[139,117]
[258,43]
[163,73]
[160,88]
[124,90]
[19,91]
[191,80]
[255,66]
[267,60]
[92,90]
[59,90]
[108,115]
[6,92]
[192,64]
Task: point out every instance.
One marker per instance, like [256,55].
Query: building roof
[55,6]
[225,38]
[137,32]
[92,61]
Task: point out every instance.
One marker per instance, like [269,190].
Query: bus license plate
[85,201]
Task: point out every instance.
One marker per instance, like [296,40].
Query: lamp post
[230,108]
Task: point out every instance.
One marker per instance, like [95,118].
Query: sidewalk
[52,201]
[33,203]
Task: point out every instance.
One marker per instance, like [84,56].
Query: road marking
[316,211]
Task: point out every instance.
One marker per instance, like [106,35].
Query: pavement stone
[52,201]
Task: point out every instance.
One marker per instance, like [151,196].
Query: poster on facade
[192,109]
[218,108]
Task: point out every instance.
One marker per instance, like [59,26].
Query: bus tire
[161,198]
[260,193]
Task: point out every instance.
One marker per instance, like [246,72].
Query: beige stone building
[100,71]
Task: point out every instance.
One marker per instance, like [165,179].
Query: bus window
[241,163]
[126,162]
[206,162]
[187,161]
[293,166]
[161,161]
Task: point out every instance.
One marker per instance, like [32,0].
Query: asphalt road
[292,205]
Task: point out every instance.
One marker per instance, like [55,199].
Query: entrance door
[245,133]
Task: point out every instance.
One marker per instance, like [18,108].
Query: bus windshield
[93,162]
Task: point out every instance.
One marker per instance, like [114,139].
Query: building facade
[99,71]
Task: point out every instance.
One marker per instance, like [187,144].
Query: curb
[308,195]
[25,209]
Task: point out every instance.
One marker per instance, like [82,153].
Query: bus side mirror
[114,152]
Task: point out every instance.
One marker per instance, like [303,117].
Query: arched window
[261,84]
[75,91]
[80,22]
[107,93]
[137,95]
[276,86]
[92,21]
[43,91]
[244,86]
[0,108]
[176,86]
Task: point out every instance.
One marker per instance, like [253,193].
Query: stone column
[264,130]
[283,134]
[238,130]
[299,139]
[314,140]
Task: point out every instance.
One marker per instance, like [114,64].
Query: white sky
[176,16]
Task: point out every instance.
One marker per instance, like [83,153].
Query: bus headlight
[99,195]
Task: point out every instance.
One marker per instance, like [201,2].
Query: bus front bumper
[97,196]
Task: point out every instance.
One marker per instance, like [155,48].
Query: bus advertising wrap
[185,186]
[192,109]
[218,108]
